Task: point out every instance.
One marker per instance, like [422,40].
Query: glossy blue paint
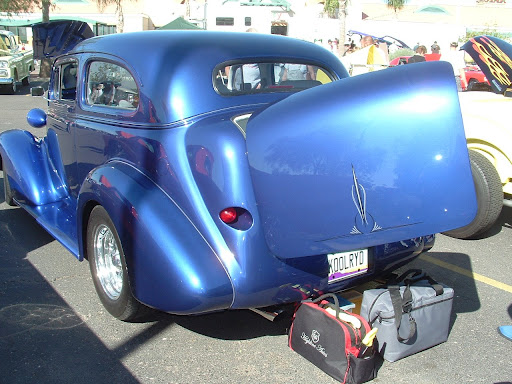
[36,118]
[164,171]
[25,159]
[314,147]
[158,240]
[179,71]
[58,37]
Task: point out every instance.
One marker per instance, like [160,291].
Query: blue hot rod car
[202,171]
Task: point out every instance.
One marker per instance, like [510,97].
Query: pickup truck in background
[16,63]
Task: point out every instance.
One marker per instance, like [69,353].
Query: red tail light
[228,215]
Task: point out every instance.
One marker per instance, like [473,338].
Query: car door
[61,120]
[109,99]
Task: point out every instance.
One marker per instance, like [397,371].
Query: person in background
[366,41]
[366,59]
[335,46]
[419,56]
[96,94]
[456,59]
[245,75]
[435,48]
[298,72]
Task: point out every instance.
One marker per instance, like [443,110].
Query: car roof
[174,68]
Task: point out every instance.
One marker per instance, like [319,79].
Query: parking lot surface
[54,329]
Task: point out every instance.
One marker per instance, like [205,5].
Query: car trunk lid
[492,55]
[362,161]
[58,37]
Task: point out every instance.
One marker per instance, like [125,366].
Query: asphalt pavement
[53,328]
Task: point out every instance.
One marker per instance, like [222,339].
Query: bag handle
[400,306]
[335,299]
[412,276]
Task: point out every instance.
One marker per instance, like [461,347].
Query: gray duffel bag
[412,314]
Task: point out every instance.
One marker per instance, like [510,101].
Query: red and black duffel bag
[332,339]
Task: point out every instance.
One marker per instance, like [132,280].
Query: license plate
[344,265]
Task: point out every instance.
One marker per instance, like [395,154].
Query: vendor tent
[180,23]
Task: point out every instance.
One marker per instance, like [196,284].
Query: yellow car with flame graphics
[488,131]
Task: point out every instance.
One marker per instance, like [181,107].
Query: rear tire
[471,85]
[108,267]
[11,90]
[489,196]
[26,81]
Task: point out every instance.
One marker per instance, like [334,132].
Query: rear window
[258,77]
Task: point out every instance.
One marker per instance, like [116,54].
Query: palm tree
[343,4]
[119,11]
[397,4]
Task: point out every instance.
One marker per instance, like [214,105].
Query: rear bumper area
[300,278]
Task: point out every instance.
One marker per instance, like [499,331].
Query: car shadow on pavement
[466,298]
[234,325]
[504,220]
[44,340]
[41,338]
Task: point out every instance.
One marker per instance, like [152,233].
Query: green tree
[331,8]
[18,6]
[489,31]
[396,4]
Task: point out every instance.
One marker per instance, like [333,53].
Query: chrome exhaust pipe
[269,313]
[507,203]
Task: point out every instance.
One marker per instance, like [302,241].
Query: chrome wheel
[108,267]
[108,262]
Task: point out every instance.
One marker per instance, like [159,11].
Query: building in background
[420,21]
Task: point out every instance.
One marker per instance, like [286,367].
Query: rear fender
[171,266]
[32,177]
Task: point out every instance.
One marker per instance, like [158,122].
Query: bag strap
[400,306]
[412,276]
[335,299]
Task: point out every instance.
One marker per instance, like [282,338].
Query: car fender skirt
[32,178]
[171,266]
[367,160]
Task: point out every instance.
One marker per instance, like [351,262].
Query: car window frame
[274,88]
[56,80]
[107,109]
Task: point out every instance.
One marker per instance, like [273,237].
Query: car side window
[67,74]
[5,44]
[111,85]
